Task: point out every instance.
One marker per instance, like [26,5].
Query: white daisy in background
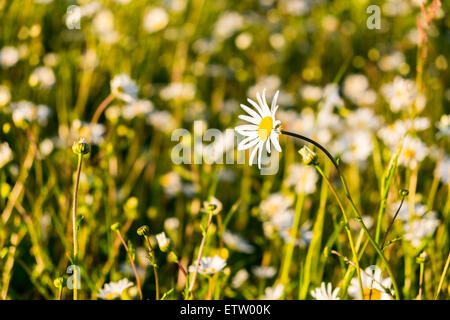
[162,120]
[124,88]
[413,152]
[237,243]
[171,183]
[5,95]
[240,277]
[136,109]
[163,241]
[444,170]
[391,134]
[443,125]
[210,265]
[273,204]
[263,128]
[273,293]
[114,290]
[325,292]
[155,20]
[419,229]
[374,285]
[264,272]
[303,178]
[6,154]
[8,56]
[400,94]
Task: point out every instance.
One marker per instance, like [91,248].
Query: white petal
[274,106]
[252,155]
[268,145]
[246,127]
[274,139]
[250,119]
[263,103]
[258,108]
[244,145]
[251,112]
[260,151]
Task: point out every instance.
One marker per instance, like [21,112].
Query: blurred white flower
[23,111]
[171,223]
[42,76]
[163,241]
[275,203]
[103,24]
[311,93]
[6,154]
[8,56]
[171,182]
[392,61]
[46,147]
[155,20]
[443,125]
[227,24]
[373,283]
[5,95]
[264,272]
[210,265]
[355,146]
[400,94]
[413,152]
[114,290]
[443,170]
[162,120]
[273,293]
[236,242]
[124,88]
[304,178]
[178,90]
[418,229]
[240,277]
[325,292]
[137,108]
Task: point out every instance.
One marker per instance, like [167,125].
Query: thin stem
[155,267]
[441,281]
[138,282]
[292,237]
[362,270]
[180,266]
[74,227]
[347,228]
[422,269]
[392,222]
[98,112]
[355,210]
[200,250]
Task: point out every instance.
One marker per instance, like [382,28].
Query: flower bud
[404,192]
[422,258]
[81,147]
[163,242]
[143,231]
[309,157]
[212,205]
[59,282]
[115,226]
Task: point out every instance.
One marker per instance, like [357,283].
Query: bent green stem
[352,204]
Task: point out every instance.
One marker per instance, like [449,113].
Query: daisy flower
[325,292]
[373,285]
[114,290]
[273,293]
[262,129]
[210,265]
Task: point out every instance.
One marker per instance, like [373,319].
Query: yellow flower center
[265,128]
[376,294]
